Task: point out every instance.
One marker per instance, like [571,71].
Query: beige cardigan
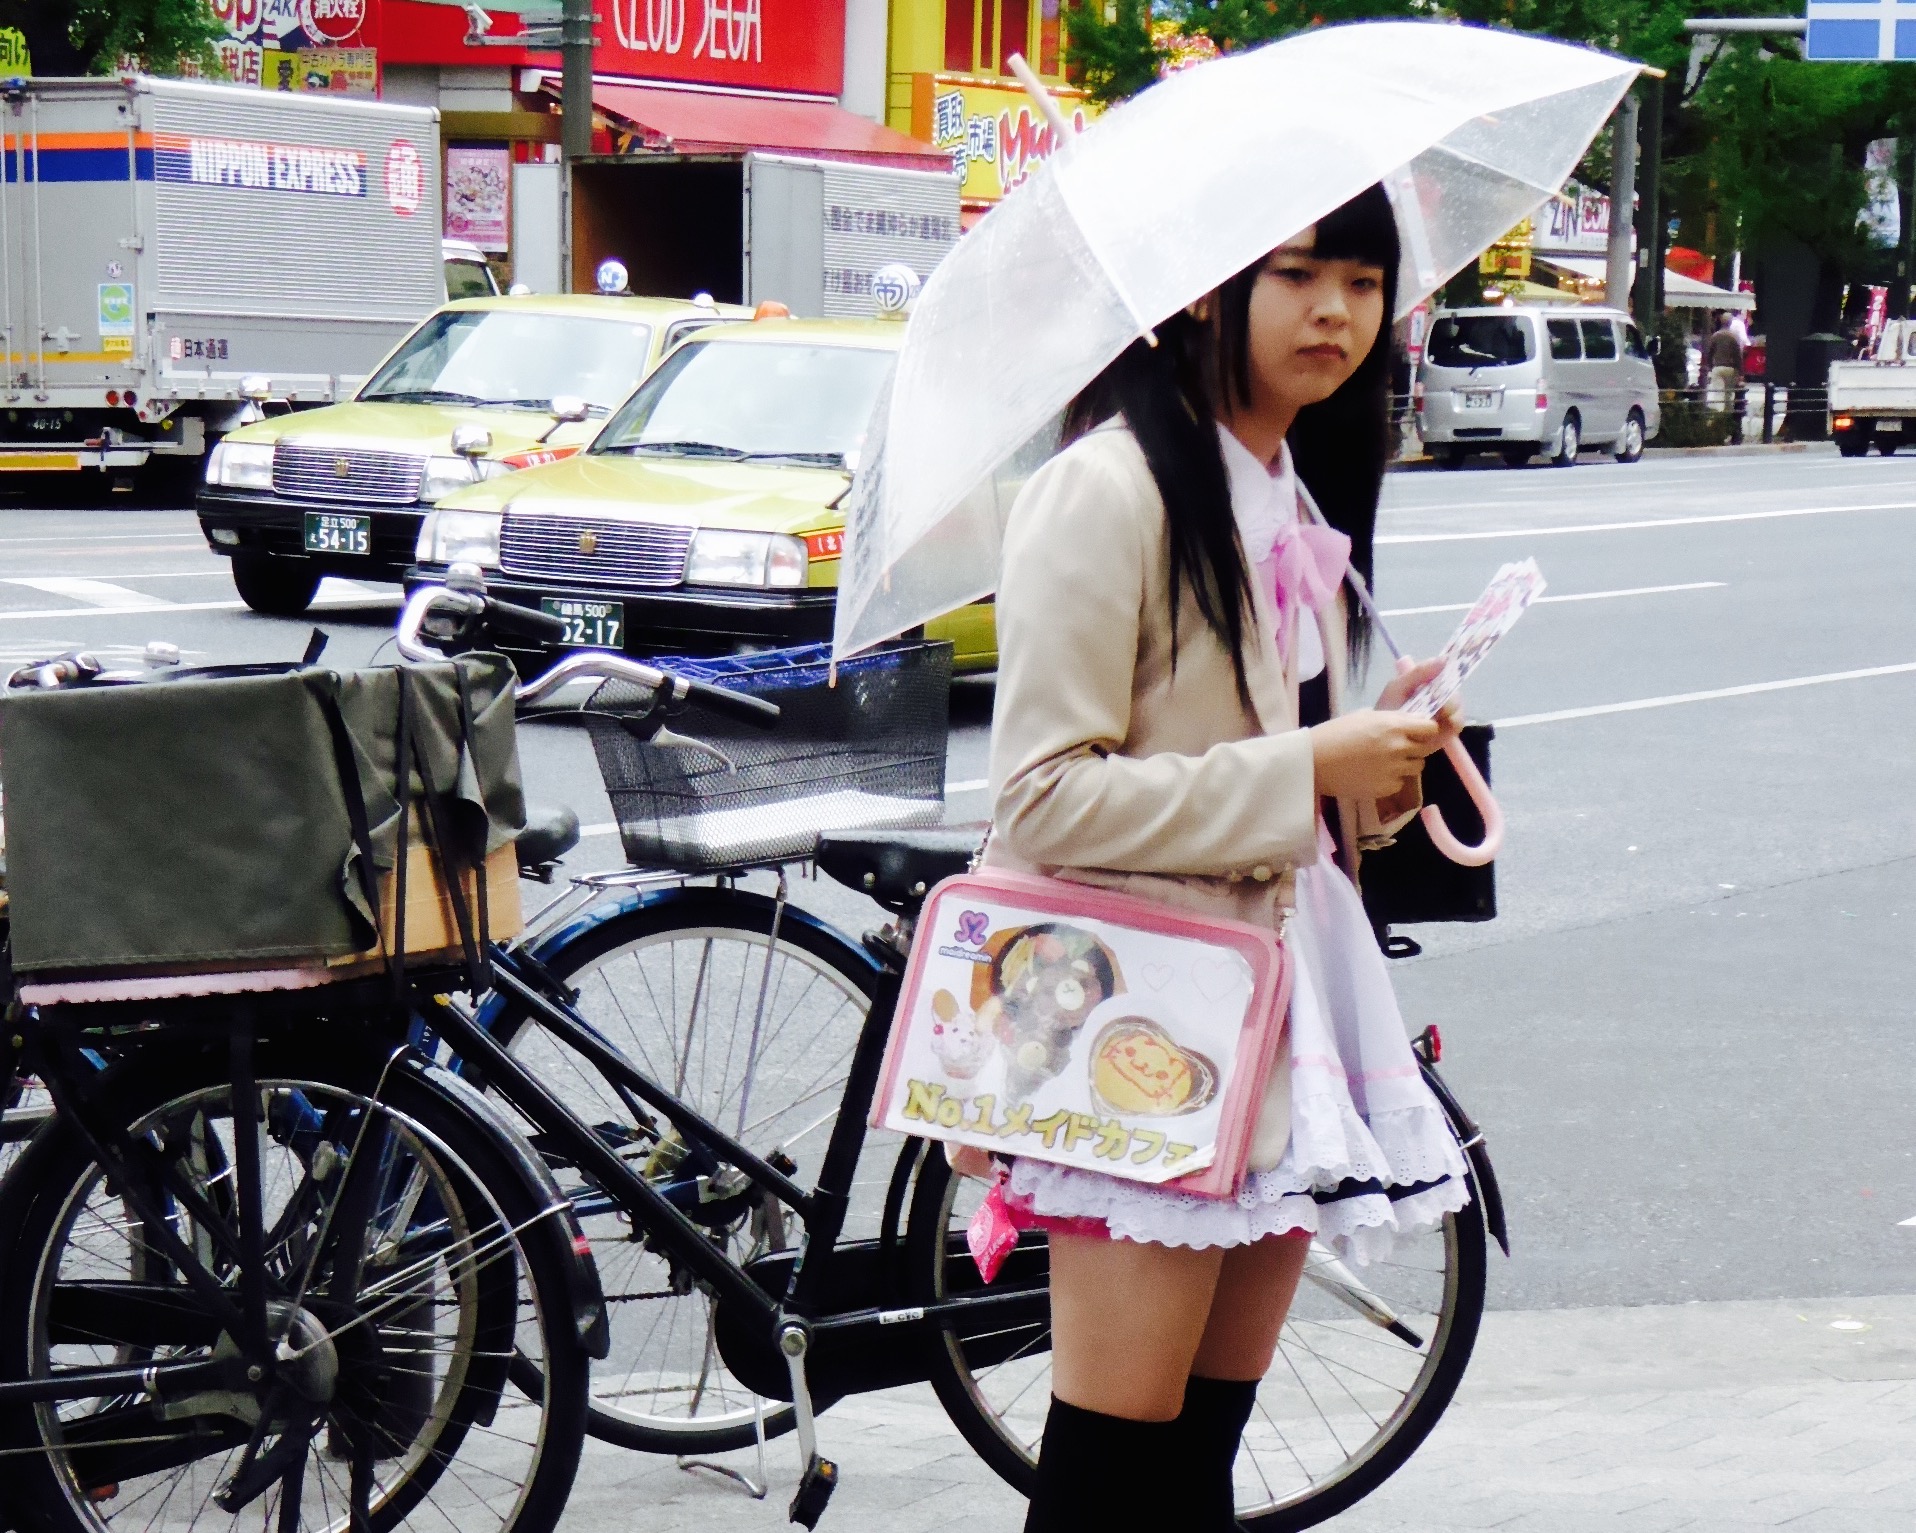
[1110,767]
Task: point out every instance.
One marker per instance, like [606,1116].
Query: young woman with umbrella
[1203,283]
[1173,654]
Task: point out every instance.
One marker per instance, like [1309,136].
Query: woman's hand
[1373,754]
[1412,675]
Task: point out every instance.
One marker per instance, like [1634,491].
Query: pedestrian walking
[1175,648]
[1723,360]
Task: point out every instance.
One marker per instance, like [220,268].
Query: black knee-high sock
[1210,1425]
[1108,1473]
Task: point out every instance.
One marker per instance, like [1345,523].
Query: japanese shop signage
[993,133]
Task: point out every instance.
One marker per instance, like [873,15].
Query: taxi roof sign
[894,286]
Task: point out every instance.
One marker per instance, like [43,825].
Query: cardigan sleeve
[1078,560]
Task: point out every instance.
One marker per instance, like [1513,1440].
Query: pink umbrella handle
[1493,816]
[1479,791]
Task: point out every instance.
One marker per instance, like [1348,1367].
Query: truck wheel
[1569,442]
[276,587]
[1630,445]
[1852,444]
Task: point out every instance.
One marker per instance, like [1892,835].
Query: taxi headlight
[720,557]
[241,465]
[444,475]
[460,537]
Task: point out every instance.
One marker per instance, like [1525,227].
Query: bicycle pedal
[815,1488]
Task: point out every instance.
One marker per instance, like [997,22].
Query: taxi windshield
[511,357]
[789,402]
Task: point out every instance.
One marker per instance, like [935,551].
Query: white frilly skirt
[1371,1154]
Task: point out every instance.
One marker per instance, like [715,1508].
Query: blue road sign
[1852,30]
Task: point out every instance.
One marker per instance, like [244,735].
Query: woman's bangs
[1363,229]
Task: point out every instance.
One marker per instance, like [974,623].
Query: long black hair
[1169,396]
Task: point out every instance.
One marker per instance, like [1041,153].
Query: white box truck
[749,227]
[175,254]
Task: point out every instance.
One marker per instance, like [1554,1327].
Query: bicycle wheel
[758,1037]
[1346,1402]
[404,1262]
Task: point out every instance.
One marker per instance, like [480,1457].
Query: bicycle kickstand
[818,1477]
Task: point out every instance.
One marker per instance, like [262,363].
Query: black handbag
[1410,881]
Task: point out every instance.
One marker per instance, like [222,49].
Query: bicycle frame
[667,1228]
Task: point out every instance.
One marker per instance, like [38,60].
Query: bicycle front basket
[866,753]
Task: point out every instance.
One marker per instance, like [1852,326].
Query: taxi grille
[340,473]
[621,553]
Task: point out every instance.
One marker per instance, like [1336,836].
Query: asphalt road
[1689,1035]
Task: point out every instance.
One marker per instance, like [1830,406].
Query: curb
[1743,450]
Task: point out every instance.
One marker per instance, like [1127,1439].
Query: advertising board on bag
[1132,1043]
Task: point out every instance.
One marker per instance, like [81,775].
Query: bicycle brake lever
[664,736]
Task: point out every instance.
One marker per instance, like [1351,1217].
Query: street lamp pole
[575,97]
[1623,202]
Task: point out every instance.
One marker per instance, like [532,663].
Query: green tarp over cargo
[205,820]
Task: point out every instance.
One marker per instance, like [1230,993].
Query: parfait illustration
[961,1047]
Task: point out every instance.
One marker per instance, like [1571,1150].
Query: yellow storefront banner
[994,135]
[1509,257]
[335,71]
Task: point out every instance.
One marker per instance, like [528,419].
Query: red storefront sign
[790,46]
[795,46]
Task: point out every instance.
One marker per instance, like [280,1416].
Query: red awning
[706,122]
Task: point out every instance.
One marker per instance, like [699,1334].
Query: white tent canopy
[1679,291]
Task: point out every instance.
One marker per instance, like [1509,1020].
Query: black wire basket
[865,754]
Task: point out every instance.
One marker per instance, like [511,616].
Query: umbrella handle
[1046,103]
[1473,782]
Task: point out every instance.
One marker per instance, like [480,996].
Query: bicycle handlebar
[474,603]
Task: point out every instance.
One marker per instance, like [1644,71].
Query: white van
[1522,381]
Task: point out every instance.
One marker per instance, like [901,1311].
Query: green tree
[69,37]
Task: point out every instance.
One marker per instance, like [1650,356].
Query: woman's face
[1312,323]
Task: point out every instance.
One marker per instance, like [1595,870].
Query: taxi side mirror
[469,441]
[569,407]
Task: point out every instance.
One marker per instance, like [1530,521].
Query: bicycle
[265,1257]
[707,1215]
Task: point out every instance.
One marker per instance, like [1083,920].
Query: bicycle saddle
[551,831]
[898,867]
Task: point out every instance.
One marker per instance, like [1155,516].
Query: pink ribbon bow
[1307,564]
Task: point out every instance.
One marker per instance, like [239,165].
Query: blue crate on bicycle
[862,750]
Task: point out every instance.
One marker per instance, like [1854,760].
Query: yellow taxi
[706,515]
[482,388]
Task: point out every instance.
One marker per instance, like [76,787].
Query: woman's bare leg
[1126,1322]
[1255,1286]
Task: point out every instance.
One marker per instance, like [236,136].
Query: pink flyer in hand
[1494,614]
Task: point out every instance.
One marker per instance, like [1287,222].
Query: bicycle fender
[1476,1152]
[625,902]
[582,1272]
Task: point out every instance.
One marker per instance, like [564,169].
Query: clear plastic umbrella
[1161,200]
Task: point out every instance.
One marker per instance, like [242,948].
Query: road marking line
[217,567]
[1563,714]
[103,537]
[976,785]
[379,599]
[97,593]
[1667,521]
[1906,1224]
[1464,606]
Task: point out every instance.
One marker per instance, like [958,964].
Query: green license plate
[588,624]
[329,532]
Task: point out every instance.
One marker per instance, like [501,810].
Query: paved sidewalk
[1706,1418]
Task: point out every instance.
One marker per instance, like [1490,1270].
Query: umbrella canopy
[1156,204]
